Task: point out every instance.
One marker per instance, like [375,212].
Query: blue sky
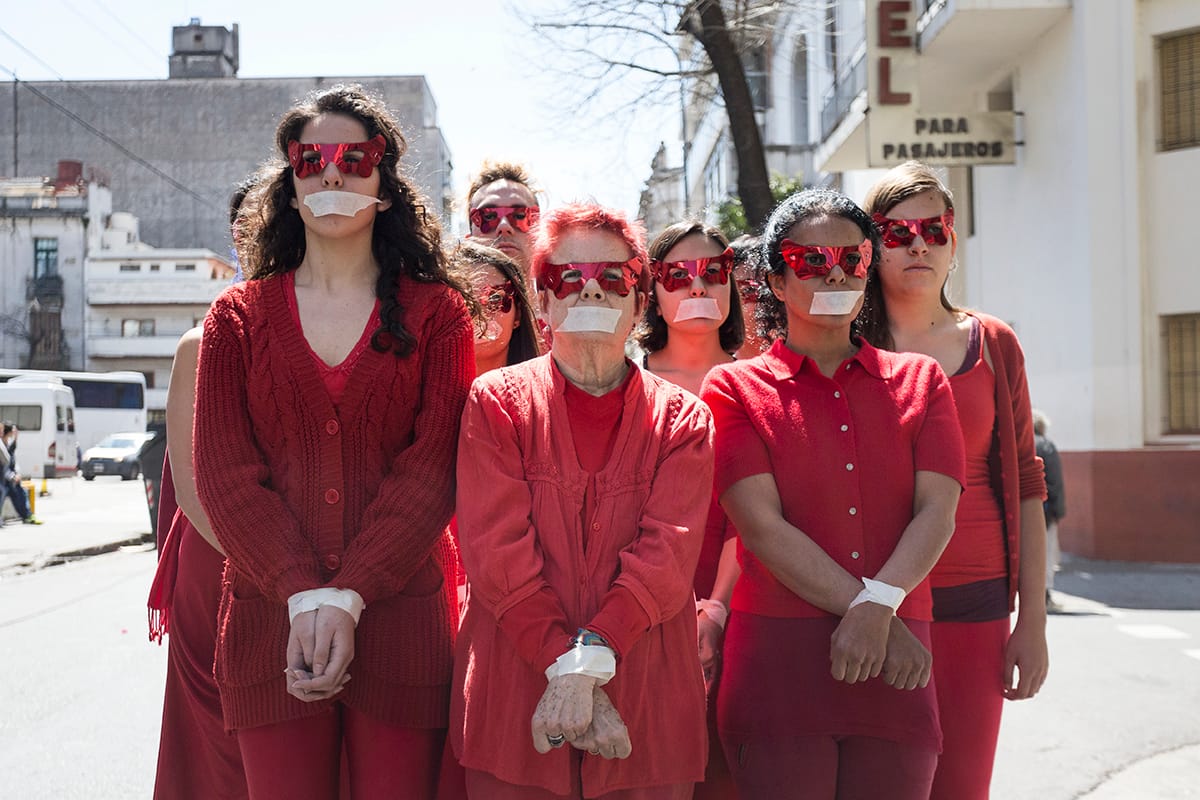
[488,74]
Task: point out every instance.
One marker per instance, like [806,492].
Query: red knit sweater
[303,494]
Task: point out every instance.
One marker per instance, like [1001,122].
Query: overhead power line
[125,151]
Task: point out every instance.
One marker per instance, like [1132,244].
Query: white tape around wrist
[715,609]
[347,600]
[593,660]
[879,592]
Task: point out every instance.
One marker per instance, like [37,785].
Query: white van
[43,410]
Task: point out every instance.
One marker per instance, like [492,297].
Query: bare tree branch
[651,53]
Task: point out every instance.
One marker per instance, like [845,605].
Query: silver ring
[556,740]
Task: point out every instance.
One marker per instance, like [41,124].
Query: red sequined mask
[497,296]
[360,158]
[672,275]
[901,232]
[487,219]
[613,276]
[809,261]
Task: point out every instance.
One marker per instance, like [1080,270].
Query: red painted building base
[1133,505]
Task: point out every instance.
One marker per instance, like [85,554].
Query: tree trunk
[753,184]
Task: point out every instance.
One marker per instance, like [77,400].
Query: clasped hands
[320,648]
[870,640]
[576,709]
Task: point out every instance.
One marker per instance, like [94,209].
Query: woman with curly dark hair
[328,400]
[840,465]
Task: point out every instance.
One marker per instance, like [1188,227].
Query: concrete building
[47,228]
[1070,135]
[141,299]
[176,148]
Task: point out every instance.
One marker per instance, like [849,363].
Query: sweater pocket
[407,639]
[252,640]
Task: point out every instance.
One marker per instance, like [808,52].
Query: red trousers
[196,757]
[485,786]
[968,670]
[301,759]
[829,767]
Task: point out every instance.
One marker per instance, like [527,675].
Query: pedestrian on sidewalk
[196,756]
[1055,506]
[840,466]
[692,322]
[328,399]
[10,477]
[997,554]
[583,486]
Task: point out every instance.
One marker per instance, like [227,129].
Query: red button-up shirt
[844,451]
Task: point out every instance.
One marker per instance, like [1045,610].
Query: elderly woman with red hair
[583,487]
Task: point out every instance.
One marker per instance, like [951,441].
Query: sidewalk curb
[44,560]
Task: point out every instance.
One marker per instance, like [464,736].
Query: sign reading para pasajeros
[898,128]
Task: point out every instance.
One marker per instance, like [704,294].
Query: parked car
[115,454]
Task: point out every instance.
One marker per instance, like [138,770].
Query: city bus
[44,413]
[105,402]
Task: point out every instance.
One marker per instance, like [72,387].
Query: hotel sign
[898,127]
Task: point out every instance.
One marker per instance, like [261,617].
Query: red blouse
[535,578]
[844,452]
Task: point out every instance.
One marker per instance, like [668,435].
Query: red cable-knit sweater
[303,494]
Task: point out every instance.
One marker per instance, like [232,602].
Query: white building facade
[47,228]
[1083,241]
[140,301]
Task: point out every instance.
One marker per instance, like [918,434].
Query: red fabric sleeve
[621,620]
[939,445]
[232,478]
[739,452]
[416,499]
[1032,471]
[656,569]
[499,544]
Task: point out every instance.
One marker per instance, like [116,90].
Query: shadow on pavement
[1124,584]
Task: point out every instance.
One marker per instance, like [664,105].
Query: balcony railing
[848,86]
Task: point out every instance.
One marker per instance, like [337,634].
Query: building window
[154,267]
[185,267]
[45,257]
[1179,79]
[137,327]
[800,92]
[1181,334]
[131,268]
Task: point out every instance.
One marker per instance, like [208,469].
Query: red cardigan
[534,577]
[303,494]
[1017,472]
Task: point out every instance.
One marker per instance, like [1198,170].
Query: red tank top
[976,551]
[334,377]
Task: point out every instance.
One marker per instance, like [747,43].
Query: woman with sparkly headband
[840,466]
[692,322]
[583,488]
[997,555]
[328,400]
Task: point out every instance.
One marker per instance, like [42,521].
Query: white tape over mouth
[697,308]
[590,319]
[833,303]
[490,333]
[347,204]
